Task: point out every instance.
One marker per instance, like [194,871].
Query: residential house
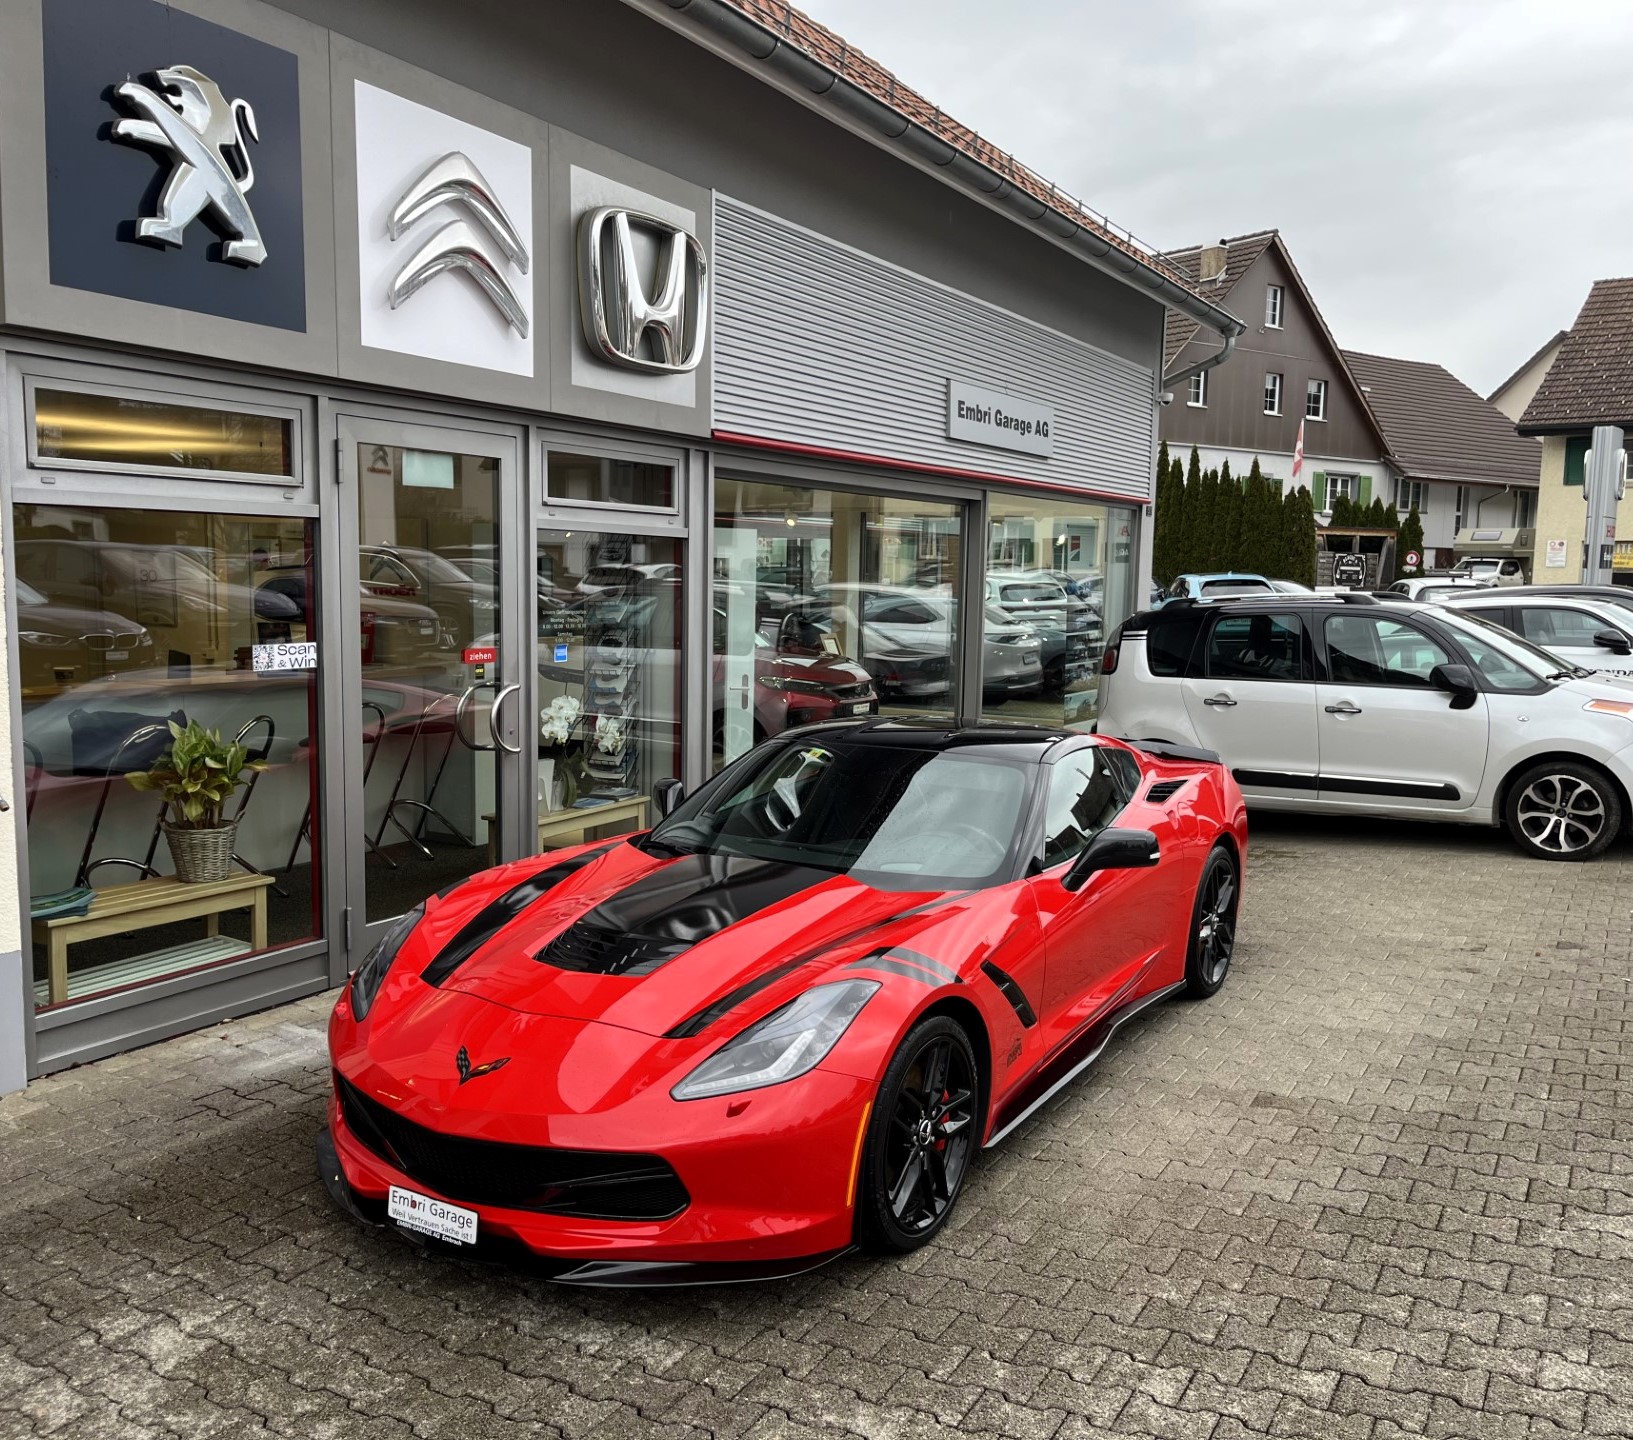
[1455,455]
[1286,369]
[1589,383]
[1514,394]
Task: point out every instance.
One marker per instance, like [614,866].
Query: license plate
[436,1218]
[1030,658]
[861,707]
[118,654]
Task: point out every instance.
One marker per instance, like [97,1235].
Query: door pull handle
[1345,708]
[1220,700]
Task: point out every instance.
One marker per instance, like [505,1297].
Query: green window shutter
[1366,489]
[1576,457]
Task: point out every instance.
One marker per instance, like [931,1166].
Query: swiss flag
[1298,454]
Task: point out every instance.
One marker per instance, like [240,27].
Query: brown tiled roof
[1437,428]
[1528,362]
[1591,380]
[799,30]
[1240,252]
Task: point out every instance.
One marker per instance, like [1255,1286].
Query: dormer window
[1275,297]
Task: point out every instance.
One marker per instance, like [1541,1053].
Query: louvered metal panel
[818,344]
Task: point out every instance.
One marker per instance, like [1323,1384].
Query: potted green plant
[195,778]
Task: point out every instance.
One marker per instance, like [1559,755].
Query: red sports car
[779,1024]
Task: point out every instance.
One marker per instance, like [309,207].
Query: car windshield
[1213,589]
[1482,637]
[895,817]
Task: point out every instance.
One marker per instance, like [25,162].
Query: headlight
[788,1042]
[789,682]
[1623,708]
[372,972]
[45,639]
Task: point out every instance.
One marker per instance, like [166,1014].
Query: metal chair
[373,742]
[426,807]
[82,876]
[250,784]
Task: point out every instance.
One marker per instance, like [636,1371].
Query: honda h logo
[659,329]
[206,138]
[485,250]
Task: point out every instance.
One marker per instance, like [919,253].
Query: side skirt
[1071,1063]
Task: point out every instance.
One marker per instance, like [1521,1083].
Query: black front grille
[861,691]
[593,1184]
[599,950]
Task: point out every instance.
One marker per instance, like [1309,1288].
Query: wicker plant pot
[201,855]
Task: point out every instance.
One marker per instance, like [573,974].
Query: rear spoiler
[1169,750]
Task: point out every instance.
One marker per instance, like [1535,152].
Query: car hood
[67,620]
[643,942]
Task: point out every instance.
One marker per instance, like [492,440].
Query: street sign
[1413,559]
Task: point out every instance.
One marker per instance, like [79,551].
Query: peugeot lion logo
[468,1071]
[622,325]
[484,251]
[207,137]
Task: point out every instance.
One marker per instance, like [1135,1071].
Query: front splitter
[602,1274]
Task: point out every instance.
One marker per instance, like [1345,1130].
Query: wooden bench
[560,828]
[161,900]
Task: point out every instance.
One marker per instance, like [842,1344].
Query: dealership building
[485,413]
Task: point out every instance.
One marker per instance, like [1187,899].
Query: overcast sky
[1450,175]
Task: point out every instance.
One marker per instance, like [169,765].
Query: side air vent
[1165,790]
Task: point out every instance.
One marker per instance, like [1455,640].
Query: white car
[1354,705]
[1584,631]
[1489,569]
[1437,587]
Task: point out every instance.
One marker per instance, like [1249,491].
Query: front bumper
[503,1250]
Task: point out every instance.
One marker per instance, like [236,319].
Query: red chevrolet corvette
[780,1024]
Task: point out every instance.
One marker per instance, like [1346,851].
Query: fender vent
[1165,790]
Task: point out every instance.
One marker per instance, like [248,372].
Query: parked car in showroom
[799,679]
[1348,704]
[1582,630]
[782,1024]
[899,622]
[61,645]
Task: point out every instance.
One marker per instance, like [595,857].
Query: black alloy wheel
[921,1137]
[1213,925]
[1563,810]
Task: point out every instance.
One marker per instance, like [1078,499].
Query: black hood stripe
[924,962]
[667,911]
[494,916]
[884,965]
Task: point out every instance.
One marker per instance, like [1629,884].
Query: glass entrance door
[430,580]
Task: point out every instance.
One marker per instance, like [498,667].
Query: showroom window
[827,604]
[131,621]
[1059,579]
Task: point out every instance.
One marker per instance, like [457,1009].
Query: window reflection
[1061,573]
[121,430]
[128,620]
[829,604]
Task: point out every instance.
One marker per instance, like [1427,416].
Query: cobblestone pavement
[1382,1185]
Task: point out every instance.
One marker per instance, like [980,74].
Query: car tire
[911,1176]
[1213,924]
[1562,810]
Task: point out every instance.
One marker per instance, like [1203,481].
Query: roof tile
[1439,429]
[1591,380]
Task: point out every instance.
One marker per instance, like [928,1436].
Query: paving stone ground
[1382,1185]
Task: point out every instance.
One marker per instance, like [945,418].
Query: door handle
[459,715]
[1220,700]
[493,720]
[1344,707]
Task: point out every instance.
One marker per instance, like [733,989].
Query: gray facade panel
[172,1009]
[13,1023]
[607,72]
[822,346]
[31,297]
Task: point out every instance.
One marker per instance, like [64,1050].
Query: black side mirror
[1613,641]
[666,795]
[1458,682]
[1113,850]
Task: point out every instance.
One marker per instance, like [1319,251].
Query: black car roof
[884,730]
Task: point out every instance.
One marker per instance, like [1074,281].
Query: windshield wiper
[1576,672]
[674,847]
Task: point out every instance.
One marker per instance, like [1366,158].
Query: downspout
[1171,383]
